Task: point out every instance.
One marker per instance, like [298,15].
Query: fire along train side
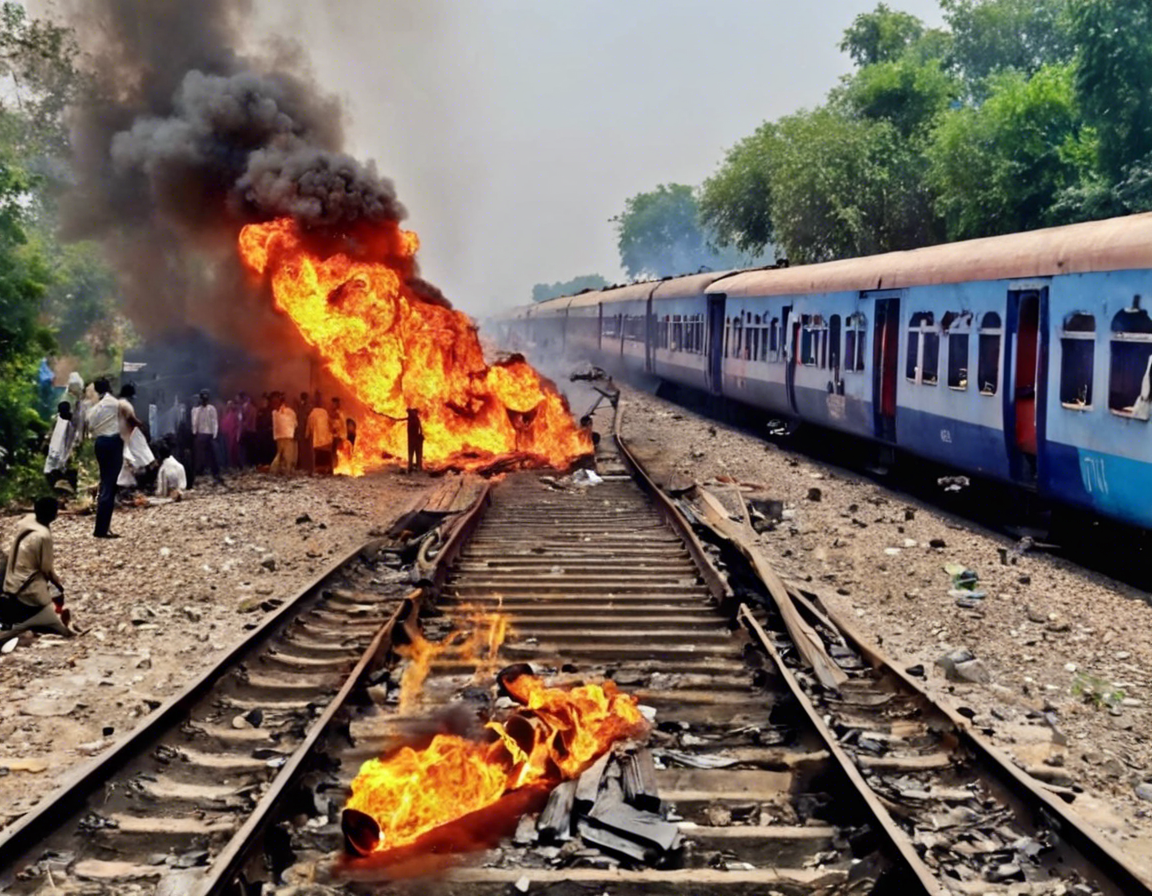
[1024,358]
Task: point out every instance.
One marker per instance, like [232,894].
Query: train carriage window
[774,339]
[738,337]
[807,354]
[1130,379]
[923,349]
[755,334]
[854,343]
[1077,357]
[988,361]
[727,334]
[956,326]
[834,342]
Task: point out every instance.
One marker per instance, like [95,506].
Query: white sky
[514,129]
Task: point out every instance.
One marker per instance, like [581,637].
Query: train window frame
[991,332]
[1131,341]
[855,334]
[1077,340]
[834,348]
[957,327]
[774,339]
[814,331]
[921,326]
[727,334]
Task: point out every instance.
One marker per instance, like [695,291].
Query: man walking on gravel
[104,425]
[25,602]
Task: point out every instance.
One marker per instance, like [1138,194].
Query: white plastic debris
[523,883]
[586,477]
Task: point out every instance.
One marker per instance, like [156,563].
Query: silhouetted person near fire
[205,428]
[319,434]
[247,431]
[339,427]
[415,440]
[303,443]
[25,602]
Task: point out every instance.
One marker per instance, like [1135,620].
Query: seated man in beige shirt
[26,603]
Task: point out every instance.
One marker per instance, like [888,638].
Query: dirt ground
[162,602]
[1046,630]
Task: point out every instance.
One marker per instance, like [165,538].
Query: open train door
[885,367]
[716,344]
[1027,309]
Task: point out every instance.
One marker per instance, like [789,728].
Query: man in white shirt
[104,426]
[171,480]
[284,432]
[205,426]
[60,445]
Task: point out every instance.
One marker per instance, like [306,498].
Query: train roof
[1116,244]
[691,285]
[629,293]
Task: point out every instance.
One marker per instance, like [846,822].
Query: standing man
[284,431]
[303,444]
[319,433]
[60,446]
[104,425]
[26,603]
[205,427]
[415,440]
[339,427]
[247,431]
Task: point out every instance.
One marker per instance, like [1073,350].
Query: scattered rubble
[1037,613]
[160,603]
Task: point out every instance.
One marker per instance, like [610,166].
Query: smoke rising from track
[190,135]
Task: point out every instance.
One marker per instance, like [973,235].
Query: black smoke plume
[186,138]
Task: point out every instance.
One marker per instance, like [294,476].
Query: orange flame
[395,350]
[554,737]
[479,648]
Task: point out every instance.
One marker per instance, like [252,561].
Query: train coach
[1024,358]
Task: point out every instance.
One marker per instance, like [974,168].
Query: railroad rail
[791,754]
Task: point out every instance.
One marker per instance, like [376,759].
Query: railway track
[778,783]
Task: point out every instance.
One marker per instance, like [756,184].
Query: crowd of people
[165,451]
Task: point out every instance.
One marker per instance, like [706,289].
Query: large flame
[554,736]
[395,350]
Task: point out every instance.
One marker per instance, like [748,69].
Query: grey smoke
[186,139]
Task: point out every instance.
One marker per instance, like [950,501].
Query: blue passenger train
[1024,358]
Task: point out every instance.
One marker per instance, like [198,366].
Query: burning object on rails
[550,752]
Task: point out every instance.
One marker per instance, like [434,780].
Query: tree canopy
[542,292]
[659,234]
[1020,114]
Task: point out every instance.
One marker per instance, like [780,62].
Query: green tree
[38,63]
[844,186]
[659,235]
[736,202]
[990,36]
[909,92]
[1114,79]
[1001,167]
[882,35]
[542,292]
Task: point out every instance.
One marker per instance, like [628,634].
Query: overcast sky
[514,129]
